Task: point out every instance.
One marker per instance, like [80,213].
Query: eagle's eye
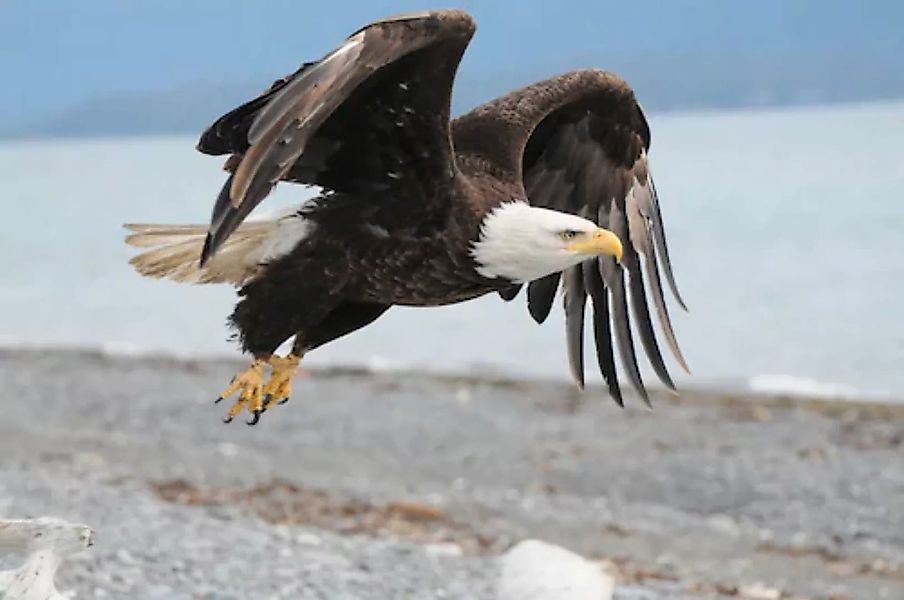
[568,234]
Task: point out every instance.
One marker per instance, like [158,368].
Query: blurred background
[776,151]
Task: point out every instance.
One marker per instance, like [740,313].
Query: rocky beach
[406,485]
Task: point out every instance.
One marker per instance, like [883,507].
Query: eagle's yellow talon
[254,395]
[249,384]
[279,387]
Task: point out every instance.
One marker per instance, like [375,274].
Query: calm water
[785,229]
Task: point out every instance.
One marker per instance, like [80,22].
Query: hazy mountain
[187,108]
[106,67]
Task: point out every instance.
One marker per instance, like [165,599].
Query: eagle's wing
[371,116]
[229,133]
[579,143]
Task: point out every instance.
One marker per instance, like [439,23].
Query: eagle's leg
[279,387]
[249,384]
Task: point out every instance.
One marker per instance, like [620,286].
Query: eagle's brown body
[346,275]
[405,190]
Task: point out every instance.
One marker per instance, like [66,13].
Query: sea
[785,230]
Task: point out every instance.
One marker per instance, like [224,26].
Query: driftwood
[44,543]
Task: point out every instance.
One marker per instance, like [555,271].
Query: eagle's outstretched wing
[579,143]
[372,115]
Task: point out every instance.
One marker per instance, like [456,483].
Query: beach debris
[542,571]
[44,543]
[285,503]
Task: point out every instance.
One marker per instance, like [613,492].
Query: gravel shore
[409,486]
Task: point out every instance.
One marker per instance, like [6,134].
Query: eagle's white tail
[175,250]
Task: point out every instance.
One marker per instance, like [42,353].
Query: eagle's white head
[522,242]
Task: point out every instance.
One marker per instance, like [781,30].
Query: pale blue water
[785,229]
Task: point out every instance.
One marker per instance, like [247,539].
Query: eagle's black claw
[218,400]
[284,400]
[256,416]
[227,420]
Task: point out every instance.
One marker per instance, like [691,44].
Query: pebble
[723,524]
[759,591]
[306,538]
[443,550]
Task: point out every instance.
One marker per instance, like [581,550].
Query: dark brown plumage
[406,191]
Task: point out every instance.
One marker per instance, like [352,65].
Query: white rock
[535,570]
[306,538]
[443,550]
[44,542]
[463,396]
[724,524]
[759,591]
[228,450]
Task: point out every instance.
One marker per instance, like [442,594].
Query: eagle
[548,186]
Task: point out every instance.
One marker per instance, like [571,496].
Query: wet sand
[400,485]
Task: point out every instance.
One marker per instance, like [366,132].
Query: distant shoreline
[715,395]
[37,132]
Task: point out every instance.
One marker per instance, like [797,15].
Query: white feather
[176,249]
[522,242]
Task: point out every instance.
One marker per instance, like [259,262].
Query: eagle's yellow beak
[601,241]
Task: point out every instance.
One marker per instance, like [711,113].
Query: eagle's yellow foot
[279,387]
[249,384]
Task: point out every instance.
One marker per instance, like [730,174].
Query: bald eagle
[547,184]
